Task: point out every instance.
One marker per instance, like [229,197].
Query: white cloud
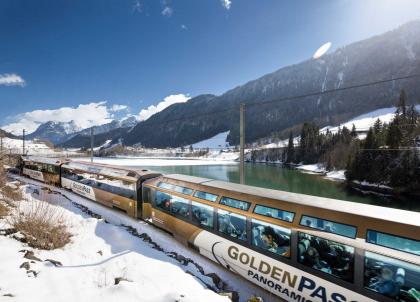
[226,4]
[11,79]
[84,116]
[184,27]
[117,107]
[322,50]
[167,11]
[168,101]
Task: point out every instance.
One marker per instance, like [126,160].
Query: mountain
[61,132]
[390,55]
[4,133]
[54,132]
[83,140]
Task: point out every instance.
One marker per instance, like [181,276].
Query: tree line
[388,155]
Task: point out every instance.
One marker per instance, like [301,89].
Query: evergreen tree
[290,155]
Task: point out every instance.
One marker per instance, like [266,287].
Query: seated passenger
[273,241]
[227,227]
[386,284]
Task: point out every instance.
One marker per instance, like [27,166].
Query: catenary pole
[242,143]
[91,145]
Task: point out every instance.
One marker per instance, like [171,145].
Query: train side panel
[276,277]
[103,197]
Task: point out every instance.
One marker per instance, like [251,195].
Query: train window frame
[244,218]
[320,271]
[265,250]
[236,200]
[390,247]
[388,262]
[271,208]
[331,221]
[207,199]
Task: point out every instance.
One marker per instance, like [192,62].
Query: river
[267,176]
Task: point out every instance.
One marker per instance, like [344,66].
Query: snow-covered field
[32,148]
[101,250]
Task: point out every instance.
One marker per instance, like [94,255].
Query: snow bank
[101,251]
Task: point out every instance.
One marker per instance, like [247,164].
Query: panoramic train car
[46,170]
[298,247]
[115,187]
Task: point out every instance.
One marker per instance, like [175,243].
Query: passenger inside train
[392,278]
[325,255]
[271,238]
[232,224]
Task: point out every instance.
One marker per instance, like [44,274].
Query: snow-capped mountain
[54,132]
[60,132]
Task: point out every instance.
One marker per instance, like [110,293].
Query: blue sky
[61,53]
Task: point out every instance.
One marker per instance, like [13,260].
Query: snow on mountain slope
[216,142]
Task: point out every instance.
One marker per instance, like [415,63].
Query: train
[298,247]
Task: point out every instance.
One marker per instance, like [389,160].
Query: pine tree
[290,155]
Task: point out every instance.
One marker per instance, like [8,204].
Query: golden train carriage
[298,247]
[112,186]
[43,169]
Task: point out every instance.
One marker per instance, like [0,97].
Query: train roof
[128,174]
[372,211]
[44,160]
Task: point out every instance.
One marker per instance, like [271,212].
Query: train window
[391,277]
[179,189]
[272,238]
[162,200]
[234,203]
[205,196]
[274,213]
[329,226]
[182,190]
[395,242]
[327,256]
[165,185]
[231,224]
[202,214]
[180,206]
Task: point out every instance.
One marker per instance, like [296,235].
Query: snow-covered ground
[102,250]
[320,169]
[32,147]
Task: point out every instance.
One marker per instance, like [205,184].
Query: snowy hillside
[365,121]
[111,257]
[32,147]
[216,142]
